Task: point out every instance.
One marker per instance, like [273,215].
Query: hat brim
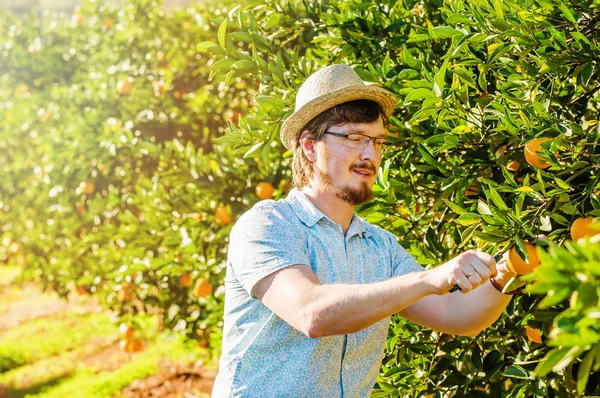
[292,125]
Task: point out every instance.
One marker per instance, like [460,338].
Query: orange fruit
[513,166]
[185,280]
[126,331]
[125,293]
[517,265]
[76,19]
[46,117]
[222,216]
[87,187]
[124,87]
[582,228]
[109,23]
[534,334]
[532,148]
[134,345]
[80,207]
[264,190]
[81,291]
[202,288]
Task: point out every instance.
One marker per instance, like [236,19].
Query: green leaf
[466,219]
[419,37]
[253,150]
[551,359]
[270,104]
[516,372]
[419,94]
[439,80]
[222,32]
[567,13]
[497,199]
[587,73]
[242,36]
[455,207]
[444,32]
[584,372]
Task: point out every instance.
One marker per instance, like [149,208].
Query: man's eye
[354,139]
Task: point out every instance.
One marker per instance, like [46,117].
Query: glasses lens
[357,140]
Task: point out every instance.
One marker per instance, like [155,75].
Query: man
[310,287]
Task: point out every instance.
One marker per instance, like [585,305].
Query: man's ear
[308,146]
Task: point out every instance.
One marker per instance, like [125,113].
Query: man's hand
[468,270]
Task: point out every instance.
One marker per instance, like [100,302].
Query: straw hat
[327,87]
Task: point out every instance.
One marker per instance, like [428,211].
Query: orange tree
[112,182]
[478,82]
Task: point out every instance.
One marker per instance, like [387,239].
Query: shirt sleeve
[402,262]
[263,241]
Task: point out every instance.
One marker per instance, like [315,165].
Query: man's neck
[336,209]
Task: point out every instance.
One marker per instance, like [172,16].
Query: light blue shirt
[263,356]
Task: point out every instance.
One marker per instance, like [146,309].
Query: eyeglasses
[360,141]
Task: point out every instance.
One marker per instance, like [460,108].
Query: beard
[351,195]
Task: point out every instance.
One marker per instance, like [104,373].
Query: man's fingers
[463,282]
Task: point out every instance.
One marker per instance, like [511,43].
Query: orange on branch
[202,288]
[185,280]
[513,166]
[534,334]
[124,87]
[264,190]
[517,265]
[532,150]
[582,228]
[87,187]
[109,23]
[222,216]
[126,331]
[76,19]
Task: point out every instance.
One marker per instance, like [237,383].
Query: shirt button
[347,366]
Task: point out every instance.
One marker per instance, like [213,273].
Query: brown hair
[358,111]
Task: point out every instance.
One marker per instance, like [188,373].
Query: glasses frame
[383,142]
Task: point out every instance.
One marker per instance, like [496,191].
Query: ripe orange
[534,334]
[264,190]
[582,228]
[222,216]
[124,87]
[46,117]
[185,280]
[81,291]
[125,293]
[513,166]
[80,207]
[202,288]
[109,23]
[131,345]
[76,19]
[532,148]
[87,187]
[517,265]
[127,331]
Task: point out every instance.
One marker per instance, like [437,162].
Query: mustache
[367,166]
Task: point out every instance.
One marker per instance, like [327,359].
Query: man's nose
[370,151]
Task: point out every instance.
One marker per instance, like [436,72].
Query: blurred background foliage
[133,138]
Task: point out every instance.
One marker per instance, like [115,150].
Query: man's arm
[295,295]
[466,314]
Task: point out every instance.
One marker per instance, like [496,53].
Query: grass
[42,338]
[8,273]
[85,383]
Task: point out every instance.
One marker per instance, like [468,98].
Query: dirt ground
[173,380]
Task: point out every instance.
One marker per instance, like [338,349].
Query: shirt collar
[308,213]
